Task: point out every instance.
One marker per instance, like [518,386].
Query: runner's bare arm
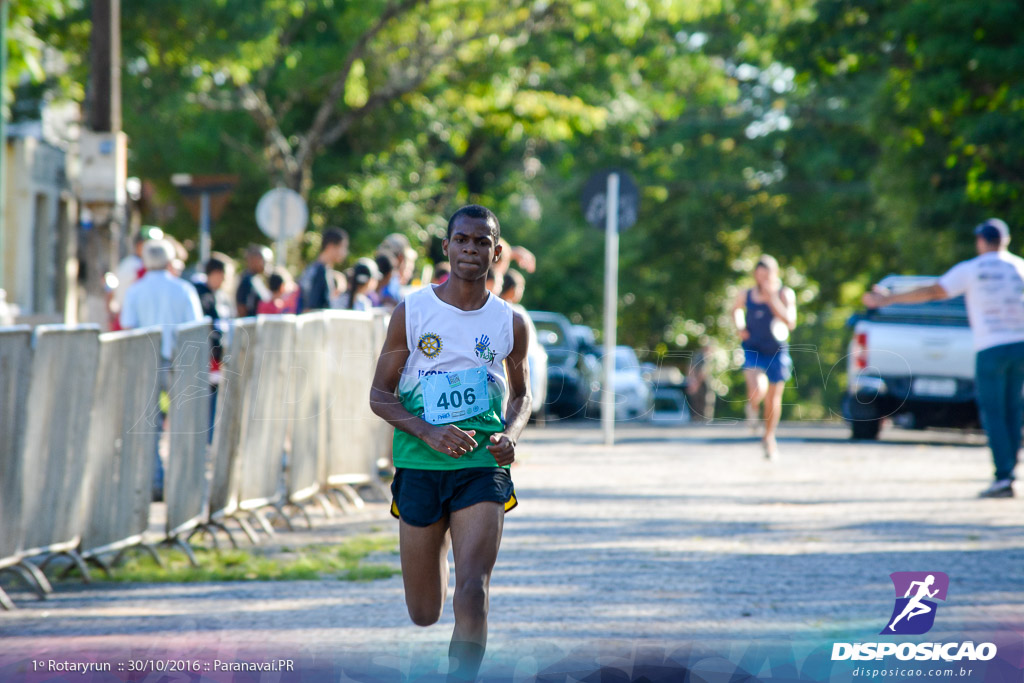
[503,446]
[384,402]
[782,302]
[739,318]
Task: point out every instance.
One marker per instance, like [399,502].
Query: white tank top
[443,339]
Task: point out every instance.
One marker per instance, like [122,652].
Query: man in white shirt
[993,287]
[160,298]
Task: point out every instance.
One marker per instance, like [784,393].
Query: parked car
[570,377]
[910,362]
[634,394]
[537,359]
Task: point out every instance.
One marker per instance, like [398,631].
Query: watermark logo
[914,611]
[913,615]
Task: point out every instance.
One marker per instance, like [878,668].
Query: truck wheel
[865,429]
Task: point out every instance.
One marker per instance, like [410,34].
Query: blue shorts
[422,497]
[777,366]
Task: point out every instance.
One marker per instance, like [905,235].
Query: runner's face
[471,249]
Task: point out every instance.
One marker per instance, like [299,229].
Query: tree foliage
[849,138]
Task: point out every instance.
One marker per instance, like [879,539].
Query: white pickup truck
[910,362]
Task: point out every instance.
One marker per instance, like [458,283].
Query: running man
[915,607]
[764,315]
[454,357]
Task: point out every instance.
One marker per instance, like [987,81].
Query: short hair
[157,254]
[333,236]
[512,280]
[275,282]
[214,265]
[480,213]
[385,263]
[254,250]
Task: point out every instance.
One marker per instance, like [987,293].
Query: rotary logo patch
[429,345]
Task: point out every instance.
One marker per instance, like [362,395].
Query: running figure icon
[915,607]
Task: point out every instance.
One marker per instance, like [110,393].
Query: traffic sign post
[611,297]
[212,192]
[282,215]
[610,198]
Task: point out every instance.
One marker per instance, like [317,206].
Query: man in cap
[992,284]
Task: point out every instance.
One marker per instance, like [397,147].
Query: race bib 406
[453,396]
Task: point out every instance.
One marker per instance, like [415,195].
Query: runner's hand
[744,334]
[503,450]
[450,440]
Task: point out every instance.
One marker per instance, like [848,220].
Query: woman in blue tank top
[764,316]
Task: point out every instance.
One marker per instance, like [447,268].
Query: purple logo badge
[914,611]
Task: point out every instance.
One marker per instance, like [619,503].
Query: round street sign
[282,214]
[595,202]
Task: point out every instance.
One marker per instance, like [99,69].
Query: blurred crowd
[153,286]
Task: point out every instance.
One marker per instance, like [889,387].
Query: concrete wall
[40,271]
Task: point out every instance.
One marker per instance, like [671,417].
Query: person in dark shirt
[315,282]
[251,289]
[209,290]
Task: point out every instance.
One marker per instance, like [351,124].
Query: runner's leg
[424,552]
[772,413]
[756,387]
[476,536]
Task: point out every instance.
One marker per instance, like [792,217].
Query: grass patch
[344,562]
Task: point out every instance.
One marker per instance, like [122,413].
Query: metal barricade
[352,449]
[309,422]
[15,363]
[380,431]
[268,414]
[61,392]
[122,436]
[186,486]
[231,415]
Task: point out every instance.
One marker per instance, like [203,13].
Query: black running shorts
[422,497]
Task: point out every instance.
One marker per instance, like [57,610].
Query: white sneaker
[1000,488]
[752,418]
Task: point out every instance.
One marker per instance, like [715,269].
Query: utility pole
[105,54]
[103,151]
[5,12]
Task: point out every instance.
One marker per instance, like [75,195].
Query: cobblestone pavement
[677,534]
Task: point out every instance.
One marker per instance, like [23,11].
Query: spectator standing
[385,266]
[398,247]
[160,299]
[251,289]
[217,307]
[284,295]
[210,288]
[316,283]
[992,284]
[700,391]
[339,288]
[362,281]
[512,290]
[129,270]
